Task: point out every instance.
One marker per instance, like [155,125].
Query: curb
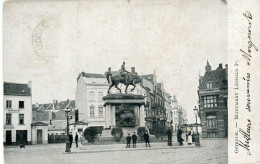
[131,149]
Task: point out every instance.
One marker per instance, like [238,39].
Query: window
[211,122]
[8,104]
[225,102]
[100,109]
[91,96]
[21,118]
[210,101]
[92,112]
[8,119]
[21,104]
[209,85]
[76,115]
[80,130]
[100,96]
[212,135]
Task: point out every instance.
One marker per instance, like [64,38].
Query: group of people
[71,139]
[190,138]
[134,138]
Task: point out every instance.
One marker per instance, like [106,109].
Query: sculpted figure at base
[124,77]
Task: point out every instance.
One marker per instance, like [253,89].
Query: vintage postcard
[131,81]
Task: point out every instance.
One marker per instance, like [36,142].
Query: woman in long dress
[189,138]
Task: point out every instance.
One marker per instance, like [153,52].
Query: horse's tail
[108,76]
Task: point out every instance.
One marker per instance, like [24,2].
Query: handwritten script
[247,54]
[242,134]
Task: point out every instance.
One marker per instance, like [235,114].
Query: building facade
[169,110]
[175,112]
[17,113]
[91,88]
[213,102]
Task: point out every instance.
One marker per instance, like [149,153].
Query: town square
[86,82]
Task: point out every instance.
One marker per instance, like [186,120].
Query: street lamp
[197,136]
[67,110]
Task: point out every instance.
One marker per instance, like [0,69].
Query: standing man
[179,138]
[134,138]
[169,134]
[146,139]
[76,139]
[128,141]
[71,139]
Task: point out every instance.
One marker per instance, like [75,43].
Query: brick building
[213,98]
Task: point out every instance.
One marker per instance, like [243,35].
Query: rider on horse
[124,72]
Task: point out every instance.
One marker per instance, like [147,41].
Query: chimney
[50,122]
[220,66]
[68,100]
[54,105]
[226,66]
[30,86]
[132,69]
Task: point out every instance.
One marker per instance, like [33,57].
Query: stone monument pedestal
[124,111]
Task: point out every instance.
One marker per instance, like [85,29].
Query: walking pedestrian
[134,138]
[179,138]
[169,134]
[70,139]
[146,139]
[128,141]
[76,139]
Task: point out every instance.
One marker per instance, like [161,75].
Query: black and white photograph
[116,81]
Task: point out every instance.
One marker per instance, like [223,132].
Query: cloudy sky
[50,43]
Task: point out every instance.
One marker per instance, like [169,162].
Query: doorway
[39,136]
[21,136]
[8,137]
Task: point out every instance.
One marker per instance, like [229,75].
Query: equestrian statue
[123,77]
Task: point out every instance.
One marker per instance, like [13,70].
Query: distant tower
[208,67]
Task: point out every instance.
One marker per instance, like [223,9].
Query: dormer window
[209,85]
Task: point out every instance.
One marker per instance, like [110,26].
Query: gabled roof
[39,124]
[218,77]
[16,89]
[58,105]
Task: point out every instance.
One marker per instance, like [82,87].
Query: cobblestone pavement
[211,151]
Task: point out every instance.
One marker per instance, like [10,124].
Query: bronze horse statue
[115,77]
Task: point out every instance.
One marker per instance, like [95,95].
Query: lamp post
[197,136]
[67,150]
